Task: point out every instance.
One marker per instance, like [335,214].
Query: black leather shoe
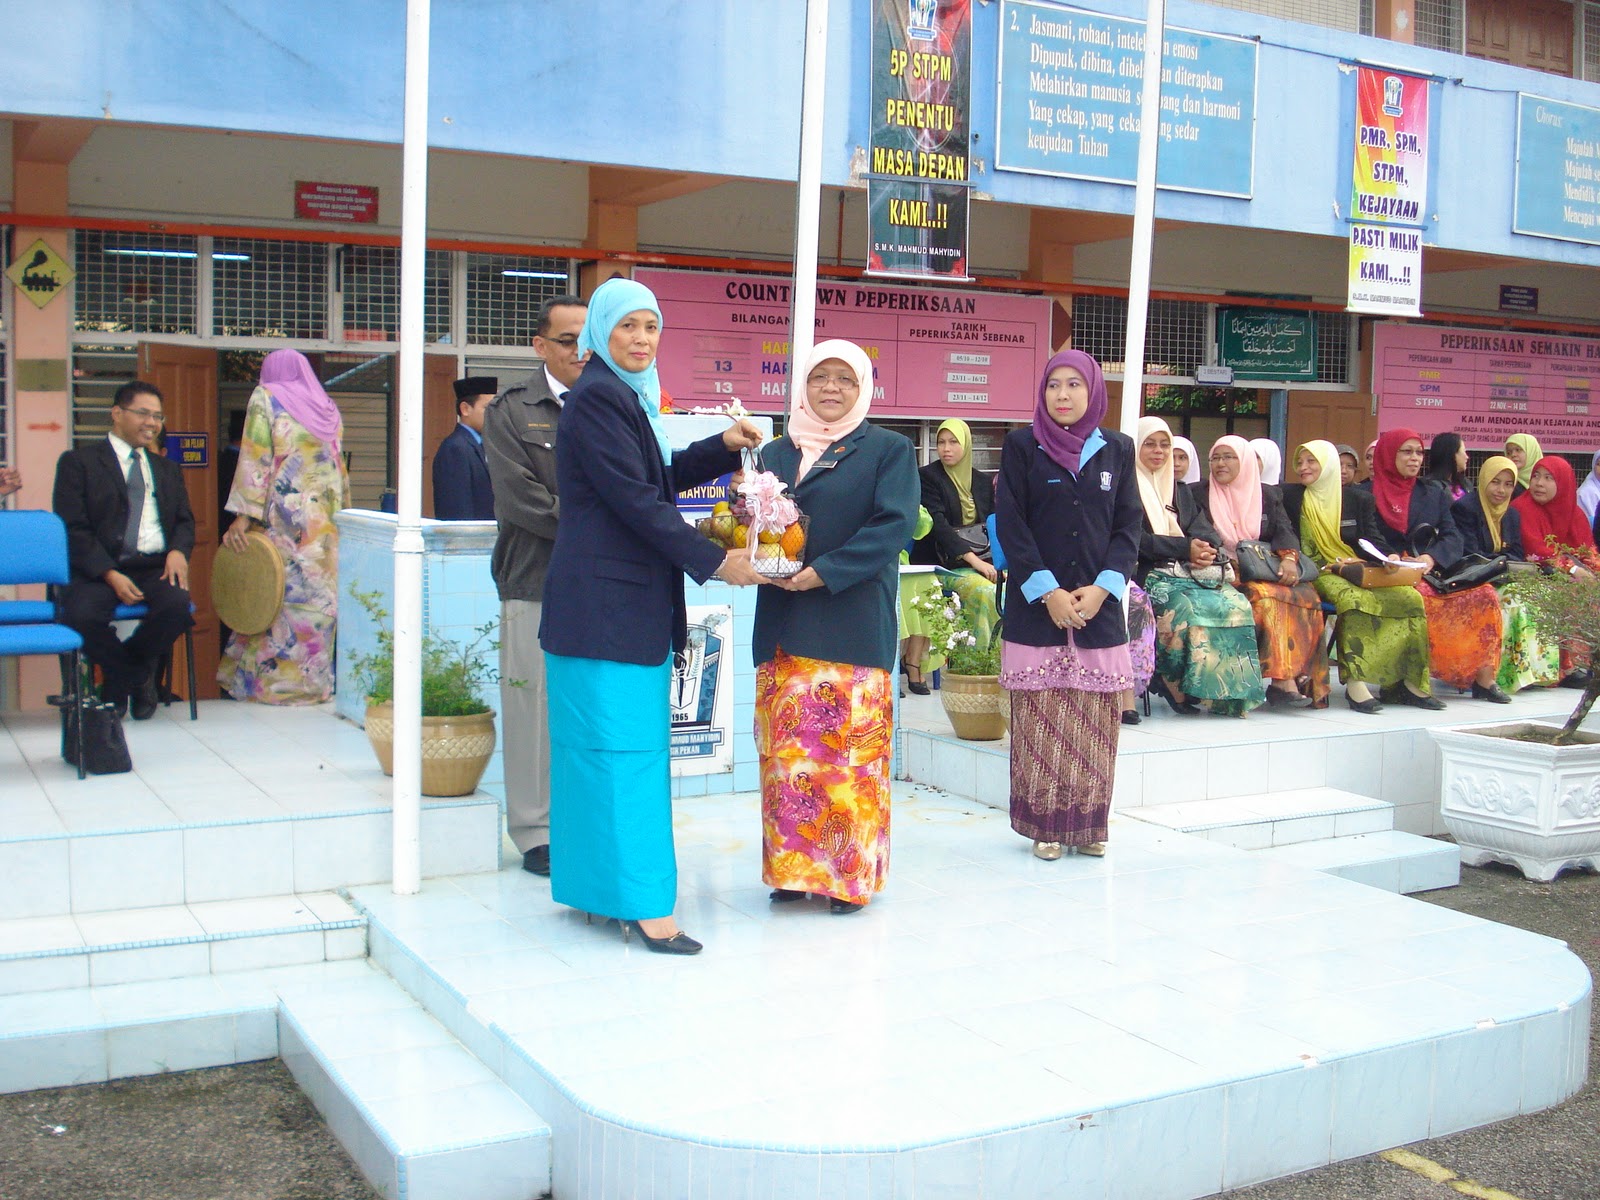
[537,860]
[144,699]
[678,943]
[785,896]
[1370,705]
[1130,716]
[1404,695]
[1160,687]
[843,907]
[1493,693]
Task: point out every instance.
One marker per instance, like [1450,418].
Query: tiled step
[422,1117]
[1274,818]
[39,954]
[1394,861]
[147,860]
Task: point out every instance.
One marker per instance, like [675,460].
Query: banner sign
[1557,191]
[1265,343]
[1070,93]
[1486,385]
[935,353]
[1385,271]
[702,695]
[1390,182]
[351,202]
[918,188]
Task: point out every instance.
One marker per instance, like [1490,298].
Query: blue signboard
[189,449]
[1070,92]
[1558,170]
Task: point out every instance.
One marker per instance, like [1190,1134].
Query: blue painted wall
[712,86]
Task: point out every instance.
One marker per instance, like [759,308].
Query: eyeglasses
[566,341]
[1417,453]
[145,414]
[844,383]
[1225,456]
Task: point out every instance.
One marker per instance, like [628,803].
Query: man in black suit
[130,533]
[461,487]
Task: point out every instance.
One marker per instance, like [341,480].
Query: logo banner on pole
[919,181]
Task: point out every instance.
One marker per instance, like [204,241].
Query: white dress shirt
[151,539]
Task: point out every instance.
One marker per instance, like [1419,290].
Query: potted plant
[1528,794]
[969,681]
[457,723]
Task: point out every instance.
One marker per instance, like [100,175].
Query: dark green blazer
[861,497]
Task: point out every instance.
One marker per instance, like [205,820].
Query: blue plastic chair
[33,550]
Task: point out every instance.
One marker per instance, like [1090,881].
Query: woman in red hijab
[1554,528]
[1465,628]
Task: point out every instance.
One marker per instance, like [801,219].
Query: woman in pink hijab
[290,482]
[1288,613]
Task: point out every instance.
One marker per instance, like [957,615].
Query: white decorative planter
[1533,806]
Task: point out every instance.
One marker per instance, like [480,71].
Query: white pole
[408,533]
[808,197]
[1144,218]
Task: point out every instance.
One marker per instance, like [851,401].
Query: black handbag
[1254,561]
[1470,571]
[974,539]
[105,749]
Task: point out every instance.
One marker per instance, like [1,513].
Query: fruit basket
[764,520]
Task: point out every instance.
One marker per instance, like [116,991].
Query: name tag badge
[1105,481]
[1052,481]
[825,464]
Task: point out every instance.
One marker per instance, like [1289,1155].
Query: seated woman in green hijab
[959,499]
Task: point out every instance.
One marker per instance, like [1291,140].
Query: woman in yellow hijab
[1490,526]
[959,499]
[1382,635]
[1524,452]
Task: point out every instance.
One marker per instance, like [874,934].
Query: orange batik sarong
[823,733]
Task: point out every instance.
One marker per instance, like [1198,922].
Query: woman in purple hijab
[289,483]
[1068,517]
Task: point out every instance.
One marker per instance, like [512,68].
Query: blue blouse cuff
[1038,584]
[1112,582]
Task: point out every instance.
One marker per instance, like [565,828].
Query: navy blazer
[1073,527]
[91,498]
[861,497]
[940,498]
[1474,529]
[614,589]
[1430,529]
[461,487]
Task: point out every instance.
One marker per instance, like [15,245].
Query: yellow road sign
[40,273]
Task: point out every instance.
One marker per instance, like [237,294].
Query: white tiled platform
[248,801]
[1174,1019]
[1172,759]
[1177,1018]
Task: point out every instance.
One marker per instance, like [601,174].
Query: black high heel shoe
[678,943]
[1162,688]
[844,907]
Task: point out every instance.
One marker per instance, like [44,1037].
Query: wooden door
[187,377]
[438,415]
[1537,34]
[1339,417]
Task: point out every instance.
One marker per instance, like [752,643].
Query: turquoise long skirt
[610,788]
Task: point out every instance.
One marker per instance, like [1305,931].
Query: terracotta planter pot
[1532,806]
[978,707]
[455,750]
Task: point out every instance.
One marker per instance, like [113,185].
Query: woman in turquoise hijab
[613,619]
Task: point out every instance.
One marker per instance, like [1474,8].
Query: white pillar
[808,198]
[1144,218]
[407,873]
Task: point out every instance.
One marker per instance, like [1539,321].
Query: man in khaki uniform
[519,437]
